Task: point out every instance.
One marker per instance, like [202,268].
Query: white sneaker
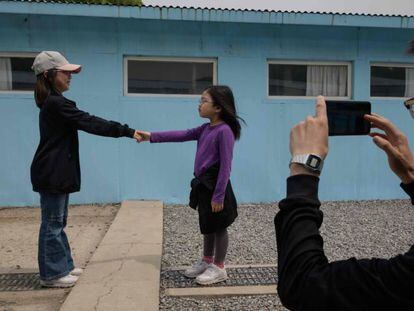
[76,271]
[65,281]
[213,274]
[196,269]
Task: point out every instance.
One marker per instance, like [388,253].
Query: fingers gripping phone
[346,117]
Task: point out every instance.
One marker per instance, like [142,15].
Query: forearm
[226,145]
[221,185]
[169,136]
[84,121]
[174,136]
[297,226]
[98,126]
[308,282]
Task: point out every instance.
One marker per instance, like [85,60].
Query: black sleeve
[409,189]
[307,281]
[82,120]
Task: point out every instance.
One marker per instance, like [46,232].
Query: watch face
[313,161]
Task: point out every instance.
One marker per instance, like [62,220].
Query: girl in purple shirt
[211,192]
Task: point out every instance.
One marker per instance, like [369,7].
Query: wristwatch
[311,161]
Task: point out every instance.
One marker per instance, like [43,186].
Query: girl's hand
[137,137]
[216,207]
[142,136]
[395,145]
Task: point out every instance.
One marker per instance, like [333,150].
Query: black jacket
[202,189]
[55,167]
[307,281]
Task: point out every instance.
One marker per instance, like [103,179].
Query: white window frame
[301,62]
[387,64]
[166,59]
[17,55]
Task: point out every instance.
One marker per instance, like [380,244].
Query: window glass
[389,81]
[16,74]
[169,77]
[308,80]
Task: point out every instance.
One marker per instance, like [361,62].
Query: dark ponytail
[222,97]
[44,85]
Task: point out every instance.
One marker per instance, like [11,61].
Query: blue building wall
[118,169]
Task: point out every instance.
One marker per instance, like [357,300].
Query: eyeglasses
[204,101]
[409,104]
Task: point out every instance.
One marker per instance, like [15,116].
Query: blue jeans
[55,259]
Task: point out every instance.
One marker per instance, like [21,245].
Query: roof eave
[206,15]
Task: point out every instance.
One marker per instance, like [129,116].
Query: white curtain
[409,82]
[5,74]
[326,80]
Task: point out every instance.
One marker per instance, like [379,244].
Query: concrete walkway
[124,272]
[19,230]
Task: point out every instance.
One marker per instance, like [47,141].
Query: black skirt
[202,189]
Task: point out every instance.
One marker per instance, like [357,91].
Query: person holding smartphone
[306,280]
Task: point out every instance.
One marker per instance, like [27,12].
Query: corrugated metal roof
[349,7]
[179,13]
[276,11]
[136,3]
[89,2]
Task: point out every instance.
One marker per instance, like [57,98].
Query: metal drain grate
[19,282]
[240,276]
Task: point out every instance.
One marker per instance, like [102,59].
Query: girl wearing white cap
[55,170]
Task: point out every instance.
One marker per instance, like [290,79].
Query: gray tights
[216,244]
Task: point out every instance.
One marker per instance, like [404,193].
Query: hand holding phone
[346,117]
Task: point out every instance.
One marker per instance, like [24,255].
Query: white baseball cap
[48,60]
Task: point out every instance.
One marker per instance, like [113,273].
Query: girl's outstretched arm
[172,136]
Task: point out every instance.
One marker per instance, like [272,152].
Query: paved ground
[124,271]
[352,228]
[18,249]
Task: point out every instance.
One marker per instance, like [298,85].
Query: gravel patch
[365,229]
[183,242]
[361,229]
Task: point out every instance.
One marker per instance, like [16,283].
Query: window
[16,73]
[309,79]
[392,80]
[169,76]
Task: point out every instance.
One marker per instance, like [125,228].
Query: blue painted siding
[118,169]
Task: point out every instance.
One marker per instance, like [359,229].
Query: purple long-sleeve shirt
[214,145]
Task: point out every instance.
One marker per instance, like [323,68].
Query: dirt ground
[19,227]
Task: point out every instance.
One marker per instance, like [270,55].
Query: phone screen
[346,117]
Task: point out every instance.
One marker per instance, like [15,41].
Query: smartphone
[346,117]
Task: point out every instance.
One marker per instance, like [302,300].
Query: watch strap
[303,159]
